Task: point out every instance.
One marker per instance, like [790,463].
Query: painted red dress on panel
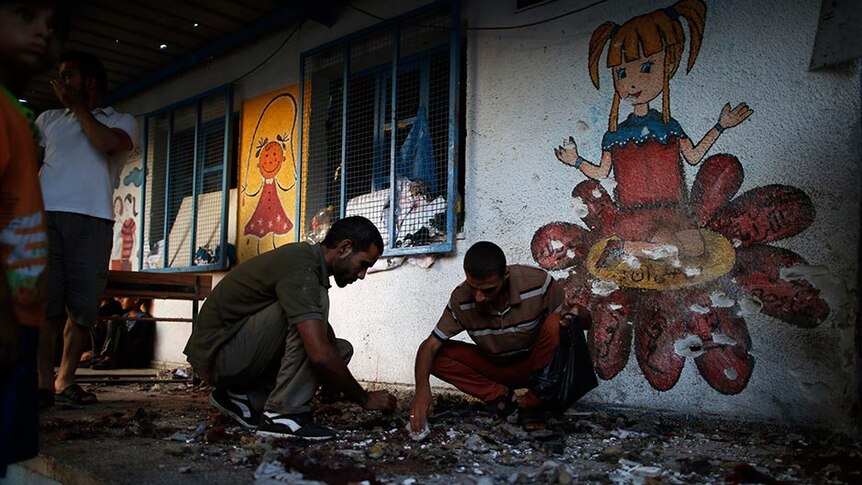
[651,192]
[269,216]
[127,233]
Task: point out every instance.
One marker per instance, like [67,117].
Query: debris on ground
[169,433]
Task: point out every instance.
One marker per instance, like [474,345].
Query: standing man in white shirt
[85,146]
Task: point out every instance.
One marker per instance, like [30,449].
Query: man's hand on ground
[419,410]
[380,400]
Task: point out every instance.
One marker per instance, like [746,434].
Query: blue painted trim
[411,250]
[393,137]
[225,190]
[167,189]
[243,36]
[300,221]
[193,224]
[454,116]
[143,198]
[345,91]
[187,269]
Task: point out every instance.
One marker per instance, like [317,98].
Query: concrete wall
[527,89]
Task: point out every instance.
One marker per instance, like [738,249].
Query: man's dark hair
[90,66]
[362,232]
[484,259]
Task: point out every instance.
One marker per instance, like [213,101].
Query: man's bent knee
[345,349]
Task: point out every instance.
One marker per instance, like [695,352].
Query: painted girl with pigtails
[646,149]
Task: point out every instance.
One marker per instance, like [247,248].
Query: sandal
[75,395]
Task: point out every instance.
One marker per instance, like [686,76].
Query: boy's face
[27,39]
[129,303]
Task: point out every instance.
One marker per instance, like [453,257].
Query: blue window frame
[185,191]
[381,111]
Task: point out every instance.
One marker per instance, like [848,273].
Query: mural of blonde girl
[664,269]
[646,150]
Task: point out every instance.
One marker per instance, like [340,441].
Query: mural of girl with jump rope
[269,217]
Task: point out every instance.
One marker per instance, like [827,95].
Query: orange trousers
[465,366]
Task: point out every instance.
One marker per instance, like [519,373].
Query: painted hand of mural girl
[732,117]
[568,152]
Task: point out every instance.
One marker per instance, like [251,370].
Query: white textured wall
[529,88]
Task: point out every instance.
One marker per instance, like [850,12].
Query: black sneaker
[292,426]
[236,406]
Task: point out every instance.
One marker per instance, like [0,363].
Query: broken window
[380,132]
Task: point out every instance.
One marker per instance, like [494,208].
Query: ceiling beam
[243,36]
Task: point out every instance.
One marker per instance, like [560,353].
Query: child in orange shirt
[29,33]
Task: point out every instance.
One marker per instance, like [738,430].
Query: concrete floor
[167,433]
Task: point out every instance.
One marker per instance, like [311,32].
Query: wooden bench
[161,286]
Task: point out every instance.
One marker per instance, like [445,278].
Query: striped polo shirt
[532,295]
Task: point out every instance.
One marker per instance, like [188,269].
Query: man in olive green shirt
[263,337]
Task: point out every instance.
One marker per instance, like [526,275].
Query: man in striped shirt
[512,314]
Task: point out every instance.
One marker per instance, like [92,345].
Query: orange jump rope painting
[267,172]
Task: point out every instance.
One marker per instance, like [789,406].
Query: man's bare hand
[420,408]
[69,97]
[574,312]
[380,400]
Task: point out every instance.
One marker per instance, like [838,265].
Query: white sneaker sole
[232,414]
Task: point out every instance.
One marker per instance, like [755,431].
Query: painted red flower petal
[656,333]
[610,337]
[726,368]
[758,273]
[764,214]
[601,210]
[716,182]
[721,346]
[577,288]
[559,245]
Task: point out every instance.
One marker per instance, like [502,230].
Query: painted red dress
[651,192]
[269,216]
[127,239]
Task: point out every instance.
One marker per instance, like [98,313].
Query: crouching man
[263,338]
[513,315]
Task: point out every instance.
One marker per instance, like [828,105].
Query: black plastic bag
[570,373]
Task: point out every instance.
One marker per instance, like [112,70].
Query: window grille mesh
[361,139]
[184,215]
